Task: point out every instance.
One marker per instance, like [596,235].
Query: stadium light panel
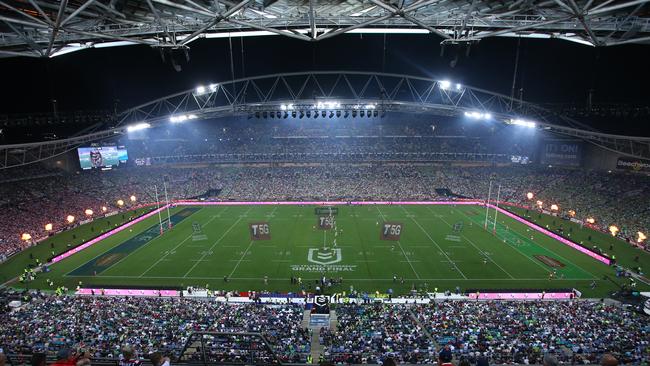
[200,90]
[182,118]
[523,123]
[445,84]
[478,115]
[328,105]
[138,127]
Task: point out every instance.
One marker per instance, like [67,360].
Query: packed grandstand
[385,161]
[324,217]
[576,332]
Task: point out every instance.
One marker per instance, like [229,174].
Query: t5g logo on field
[324,256]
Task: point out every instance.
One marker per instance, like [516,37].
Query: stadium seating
[40,197]
[505,332]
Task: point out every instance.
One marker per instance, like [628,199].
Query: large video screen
[99,157]
[122,154]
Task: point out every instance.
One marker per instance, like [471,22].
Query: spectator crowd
[503,332]
[102,325]
[29,203]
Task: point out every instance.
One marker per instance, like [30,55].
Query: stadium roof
[321,93]
[48,28]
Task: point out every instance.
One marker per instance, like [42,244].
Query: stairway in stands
[315,324]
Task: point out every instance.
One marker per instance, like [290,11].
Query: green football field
[437,247]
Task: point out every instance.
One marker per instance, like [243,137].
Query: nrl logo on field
[324,256]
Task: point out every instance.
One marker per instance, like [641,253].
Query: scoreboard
[390,230]
[260,231]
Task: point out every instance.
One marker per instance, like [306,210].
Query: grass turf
[439,247]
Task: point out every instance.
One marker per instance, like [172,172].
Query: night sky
[550,71]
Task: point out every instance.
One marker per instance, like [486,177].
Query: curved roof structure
[324,93]
[48,28]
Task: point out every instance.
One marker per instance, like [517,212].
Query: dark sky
[550,71]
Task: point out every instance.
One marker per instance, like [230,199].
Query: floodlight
[445,84]
[137,127]
[523,123]
[200,89]
[477,115]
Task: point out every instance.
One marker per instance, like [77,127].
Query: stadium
[436,182]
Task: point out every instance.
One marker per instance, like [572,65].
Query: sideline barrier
[523,296]
[128,292]
[347,300]
[323,203]
[553,235]
[104,236]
